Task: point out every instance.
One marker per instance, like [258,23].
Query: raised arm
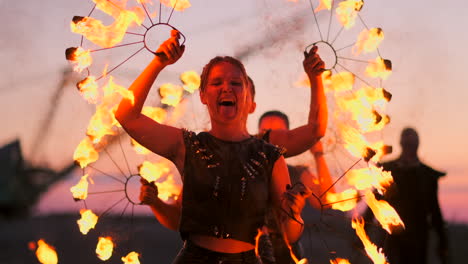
[300,139]
[163,140]
[288,201]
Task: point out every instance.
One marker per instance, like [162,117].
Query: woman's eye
[236,83]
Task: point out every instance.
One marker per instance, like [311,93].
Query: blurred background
[45,118]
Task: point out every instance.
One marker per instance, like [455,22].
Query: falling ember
[380,68]
[191,81]
[344,201]
[46,254]
[88,221]
[85,153]
[80,190]
[178,5]
[80,58]
[131,258]
[170,94]
[384,213]
[168,189]
[339,261]
[153,171]
[324,4]
[347,12]
[375,255]
[108,36]
[368,178]
[368,40]
[104,248]
[88,88]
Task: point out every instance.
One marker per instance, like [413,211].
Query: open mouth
[227,102]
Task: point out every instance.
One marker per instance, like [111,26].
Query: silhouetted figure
[414,197]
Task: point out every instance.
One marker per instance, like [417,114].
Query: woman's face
[227,94]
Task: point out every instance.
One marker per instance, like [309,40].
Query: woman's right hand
[170,51]
[148,192]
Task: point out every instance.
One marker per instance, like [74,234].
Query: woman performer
[230,179]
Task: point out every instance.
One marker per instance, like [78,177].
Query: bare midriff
[224,245]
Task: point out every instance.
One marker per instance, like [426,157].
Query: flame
[347,11]
[85,153]
[191,81]
[156,113]
[257,241]
[379,68]
[153,171]
[80,190]
[101,124]
[324,4]
[80,58]
[368,40]
[375,255]
[168,189]
[89,89]
[340,82]
[46,254]
[368,178]
[131,258]
[104,248]
[384,213]
[88,221]
[114,92]
[339,261]
[170,94]
[138,148]
[354,142]
[108,36]
[343,201]
[178,5]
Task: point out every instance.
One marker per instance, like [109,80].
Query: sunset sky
[425,40]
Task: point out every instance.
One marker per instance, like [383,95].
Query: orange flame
[367,178]
[45,253]
[339,261]
[168,189]
[384,213]
[101,124]
[375,255]
[347,12]
[80,190]
[87,221]
[379,68]
[131,258]
[108,36]
[324,4]
[354,142]
[191,81]
[80,58]
[89,89]
[340,82]
[113,93]
[178,5]
[343,201]
[153,171]
[368,40]
[170,94]
[85,153]
[104,248]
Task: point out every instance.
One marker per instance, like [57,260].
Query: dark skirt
[194,254]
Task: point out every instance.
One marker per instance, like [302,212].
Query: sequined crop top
[226,186]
